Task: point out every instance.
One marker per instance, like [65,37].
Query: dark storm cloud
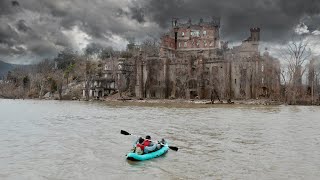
[313,23]
[4,7]
[22,26]
[133,11]
[277,18]
[137,14]
[7,35]
[39,25]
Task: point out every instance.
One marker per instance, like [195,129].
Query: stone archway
[265,91]
[193,88]
[100,93]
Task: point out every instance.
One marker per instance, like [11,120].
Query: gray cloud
[22,26]
[275,17]
[36,28]
[4,7]
[8,35]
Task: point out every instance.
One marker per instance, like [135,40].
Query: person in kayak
[144,146]
[137,141]
[147,141]
[139,146]
[161,143]
[149,145]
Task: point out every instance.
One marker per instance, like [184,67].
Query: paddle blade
[173,148]
[124,132]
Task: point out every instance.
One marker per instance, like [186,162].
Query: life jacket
[146,142]
[139,149]
[141,146]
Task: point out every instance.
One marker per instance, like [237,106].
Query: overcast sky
[31,30]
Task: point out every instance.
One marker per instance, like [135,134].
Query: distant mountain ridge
[5,67]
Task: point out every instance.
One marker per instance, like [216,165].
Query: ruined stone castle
[192,63]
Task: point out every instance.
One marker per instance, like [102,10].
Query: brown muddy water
[82,140]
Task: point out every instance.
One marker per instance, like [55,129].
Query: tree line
[67,74]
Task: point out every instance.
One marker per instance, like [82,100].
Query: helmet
[148,137]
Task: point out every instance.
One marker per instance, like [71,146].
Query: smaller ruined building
[103,83]
[194,63]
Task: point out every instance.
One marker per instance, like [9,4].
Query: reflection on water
[82,140]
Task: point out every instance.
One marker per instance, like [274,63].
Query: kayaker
[149,145]
[137,141]
[144,146]
[139,148]
[160,144]
[147,141]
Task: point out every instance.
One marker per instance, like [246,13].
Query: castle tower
[174,22]
[255,34]
[139,65]
[175,29]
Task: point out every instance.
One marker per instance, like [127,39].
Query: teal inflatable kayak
[136,157]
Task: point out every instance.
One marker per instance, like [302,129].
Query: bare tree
[295,54]
[57,78]
[151,47]
[90,72]
[313,78]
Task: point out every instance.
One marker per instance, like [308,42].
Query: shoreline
[168,102]
[195,101]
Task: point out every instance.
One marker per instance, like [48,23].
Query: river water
[82,140]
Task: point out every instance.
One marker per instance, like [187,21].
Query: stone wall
[201,70]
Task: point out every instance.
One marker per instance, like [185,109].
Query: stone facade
[194,63]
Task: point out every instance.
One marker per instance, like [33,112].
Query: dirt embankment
[117,98]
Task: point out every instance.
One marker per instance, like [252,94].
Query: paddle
[126,133]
